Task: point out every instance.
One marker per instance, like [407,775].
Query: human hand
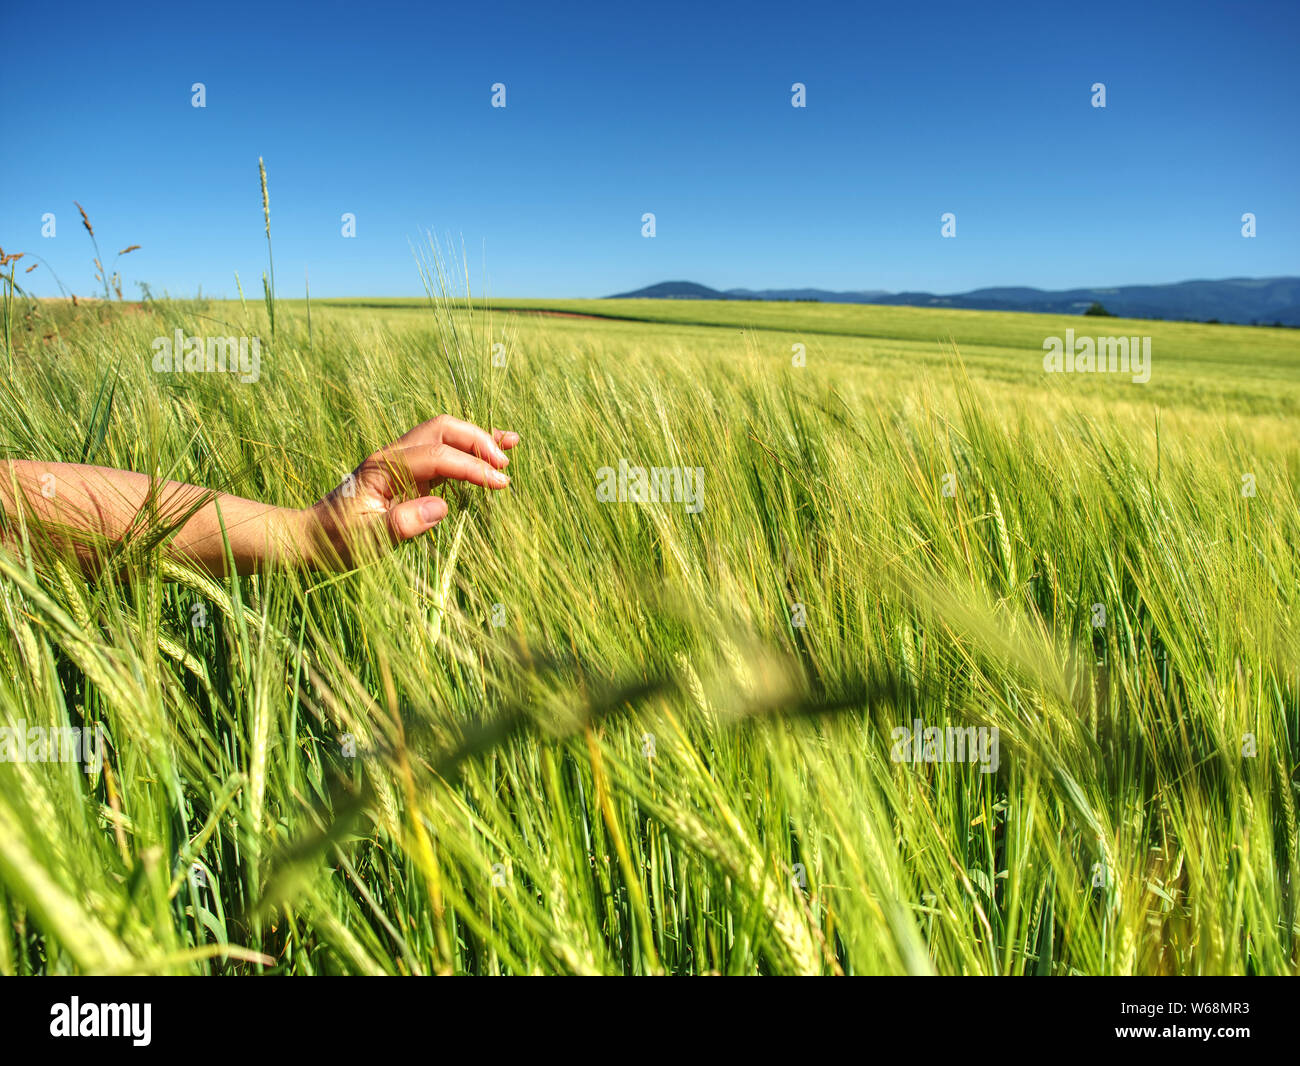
[386,499]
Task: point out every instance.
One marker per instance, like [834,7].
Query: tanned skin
[384,502]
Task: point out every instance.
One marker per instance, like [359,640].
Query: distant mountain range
[1240,300]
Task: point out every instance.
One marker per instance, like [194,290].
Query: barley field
[567,734]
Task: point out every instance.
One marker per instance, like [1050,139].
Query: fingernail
[498,478]
[497,453]
[430,510]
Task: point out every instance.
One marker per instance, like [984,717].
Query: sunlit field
[569,733]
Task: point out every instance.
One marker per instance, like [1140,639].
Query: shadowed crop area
[904,656]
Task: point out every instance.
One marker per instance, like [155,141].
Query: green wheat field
[561,735]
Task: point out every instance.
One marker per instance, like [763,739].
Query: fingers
[464,436]
[410,519]
[472,439]
[441,449]
[423,465]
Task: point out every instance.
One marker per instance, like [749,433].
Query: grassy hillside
[1223,368]
[620,737]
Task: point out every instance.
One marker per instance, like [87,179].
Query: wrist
[320,536]
[302,537]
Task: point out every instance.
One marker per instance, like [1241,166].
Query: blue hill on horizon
[1246,301]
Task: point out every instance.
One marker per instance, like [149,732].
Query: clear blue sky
[383,110]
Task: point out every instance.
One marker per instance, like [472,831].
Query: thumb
[414,517]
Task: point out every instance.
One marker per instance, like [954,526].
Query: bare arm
[383,502]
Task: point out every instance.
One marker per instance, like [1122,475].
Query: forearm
[78,505]
[94,511]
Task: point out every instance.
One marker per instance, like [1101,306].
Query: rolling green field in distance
[563,734]
[1221,368]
